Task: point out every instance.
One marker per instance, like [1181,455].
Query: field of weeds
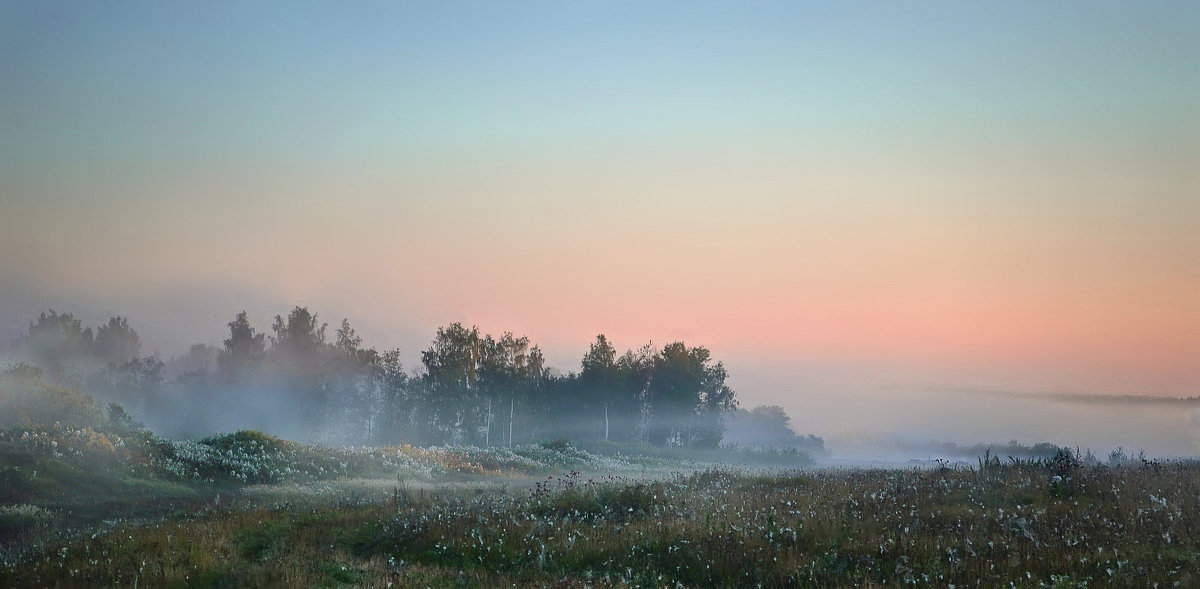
[61,482]
[1051,523]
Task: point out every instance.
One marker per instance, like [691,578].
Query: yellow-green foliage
[250,438]
[448,460]
[27,401]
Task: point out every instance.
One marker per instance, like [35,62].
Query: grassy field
[252,510]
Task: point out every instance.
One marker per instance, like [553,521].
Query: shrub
[1064,463]
[248,439]
[27,401]
[558,445]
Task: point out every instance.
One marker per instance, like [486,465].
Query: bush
[1064,463]
[27,401]
[249,439]
[558,445]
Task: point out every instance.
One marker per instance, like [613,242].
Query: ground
[537,518]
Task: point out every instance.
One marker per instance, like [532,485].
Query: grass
[654,456]
[88,477]
[1023,524]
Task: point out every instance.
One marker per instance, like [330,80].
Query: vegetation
[101,500]
[1034,523]
[1013,449]
[768,426]
[89,496]
[471,388]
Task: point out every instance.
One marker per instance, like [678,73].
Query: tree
[116,342]
[675,391]
[355,388]
[508,369]
[451,381]
[243,352]
[198,386]
[768,426]
[394,397]
[299,335]
[686,395]
[58,344]
[200,362]
[716,398]
[535,387]
[635,373]
[348,342]
[299,366]
[599,378]
[136,384]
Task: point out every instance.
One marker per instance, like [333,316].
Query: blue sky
[992,194]
[146,82]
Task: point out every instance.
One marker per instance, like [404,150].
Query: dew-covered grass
[1032,524]
[62,481]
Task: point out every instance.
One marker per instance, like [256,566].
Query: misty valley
[293,457]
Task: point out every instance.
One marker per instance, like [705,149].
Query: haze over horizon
[870,212]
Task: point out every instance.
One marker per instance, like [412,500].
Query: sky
[872,212]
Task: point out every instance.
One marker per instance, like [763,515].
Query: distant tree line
[471,387]
[1013,449]
[768,426]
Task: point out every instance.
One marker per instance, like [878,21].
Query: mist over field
[858,418]
[599,294]
[944,224]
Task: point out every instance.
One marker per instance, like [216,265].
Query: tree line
[470,387]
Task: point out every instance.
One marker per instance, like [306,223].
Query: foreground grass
[992,526]
[59,481]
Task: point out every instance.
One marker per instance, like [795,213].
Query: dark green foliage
[686,396]
[558,444]
[573,498]
[246,440]
[1064,463]
[473,388]
[255,543]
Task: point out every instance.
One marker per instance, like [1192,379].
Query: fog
[906,425]
[908,227]
[885,412]
[361,395]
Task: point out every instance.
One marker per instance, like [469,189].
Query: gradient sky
[851,203]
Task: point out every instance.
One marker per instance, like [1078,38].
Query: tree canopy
[469,387]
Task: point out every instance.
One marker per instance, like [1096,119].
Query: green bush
[247,439]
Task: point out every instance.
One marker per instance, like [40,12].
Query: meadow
[90,506]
